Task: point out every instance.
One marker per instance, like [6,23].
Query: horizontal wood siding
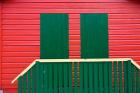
[0,46]
[21,30]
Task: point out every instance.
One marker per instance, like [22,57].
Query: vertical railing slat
[120,76]
[29,81]
[70,76]
[81,77]
[105,72]
[20,84]
[46,79]
[60,71]
[90,77]
[38,86]
[96,77]
[33,83]
[110,76]
[50,77]
[100,77]
[133,79]
[125,77]
[55,78]
[115,78]
[41,76]
[85,77]
[25,83]
[137,81]
[75,78]
[129,77]
[65,78]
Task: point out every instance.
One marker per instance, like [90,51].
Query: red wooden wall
[19,31]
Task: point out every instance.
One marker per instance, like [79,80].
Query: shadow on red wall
[134,1]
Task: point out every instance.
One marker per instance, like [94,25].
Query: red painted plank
[45,1]
[24,48]
[15,65]
[21,43]
[124,21]
[124,26]
[124,37]
[12,70]
[124,53]
[124,16]
[9,86]
[21,38]
[74,32]
[8,76]
[21,22]
[21,16]
[74,37]
[19,27]
[0,45]
[24,10]
[124,42]
[73,57]
[10,91]
[124,32]
[18,59]
[21,54]
[37,16]
[21,32]
[124,48]
[74,53]
[70,5]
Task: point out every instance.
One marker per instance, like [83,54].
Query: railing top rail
[74,60]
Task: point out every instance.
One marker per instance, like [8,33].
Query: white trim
[24,71]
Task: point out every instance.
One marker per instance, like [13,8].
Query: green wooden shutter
[94,35]
[54,36]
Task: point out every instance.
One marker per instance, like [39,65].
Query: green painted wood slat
[115,78]
[34,80]
[81,77]
[96,80]
[129,77]
[137,80]
[29,82]
[55,77]
[75,77]
[133,79]
[65,77]
[60,71]
[120,77]
[90,74]
[50,68]
[38,86]
[70,76]
[125,77]
[46,78]
[106,77]
[100,77]
[85,77]
[110,77]
[20,84]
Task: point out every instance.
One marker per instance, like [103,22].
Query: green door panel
[94,35]
[54,36]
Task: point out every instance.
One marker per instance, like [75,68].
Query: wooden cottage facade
[20,31]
